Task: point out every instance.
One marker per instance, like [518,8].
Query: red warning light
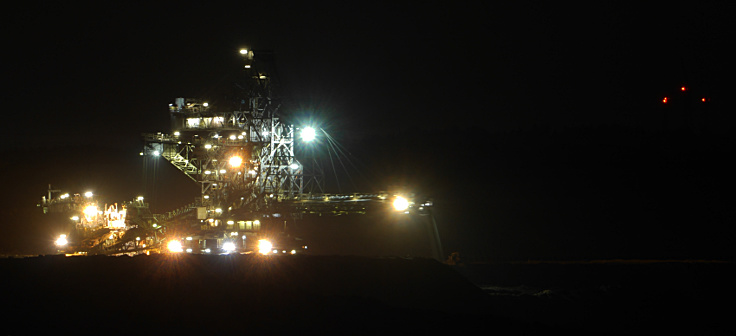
[682,88]
[664,100]
[702,99]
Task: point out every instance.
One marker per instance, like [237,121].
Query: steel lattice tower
[242,158]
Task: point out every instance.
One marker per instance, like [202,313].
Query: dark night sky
[550,113]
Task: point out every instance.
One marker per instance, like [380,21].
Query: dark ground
[245,294]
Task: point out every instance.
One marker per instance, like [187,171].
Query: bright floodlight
[61,241]
[400,203]
[88,194]
[174,246]
[228,247]
[264,246]
[236,161]
[243,51]
[90,210]
[308,134]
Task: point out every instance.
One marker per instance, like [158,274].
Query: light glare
[90,211]
[400,203]
[235,161]
[228,247]
[174,246]
[61,241]
[264,246]
[308,134]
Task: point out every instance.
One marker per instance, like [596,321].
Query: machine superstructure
[243,156]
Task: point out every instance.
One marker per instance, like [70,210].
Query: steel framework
[242,158]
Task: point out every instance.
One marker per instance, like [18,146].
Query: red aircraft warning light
[683,89]
[664,100]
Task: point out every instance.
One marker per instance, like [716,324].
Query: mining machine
[252,185]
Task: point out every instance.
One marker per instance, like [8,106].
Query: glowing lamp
[308,134]
[235,161]
[61,241]
[400,203]
[264,246]
[90,210]
[174,246]
[228,247]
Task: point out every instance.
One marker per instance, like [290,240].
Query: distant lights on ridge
[684,89]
